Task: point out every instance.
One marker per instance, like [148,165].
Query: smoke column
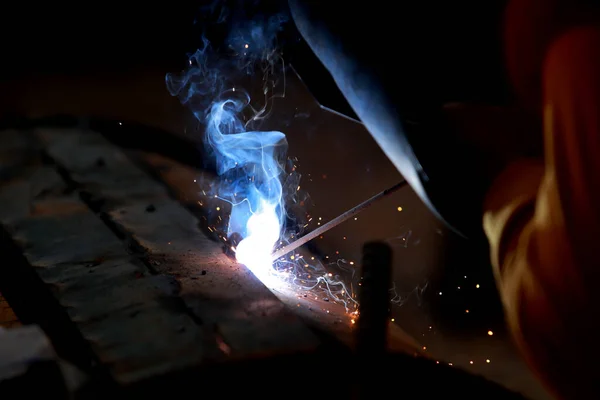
[257,202]
[249,161]
[256,177]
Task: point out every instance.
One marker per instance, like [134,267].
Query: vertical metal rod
[373,319]
[371,332]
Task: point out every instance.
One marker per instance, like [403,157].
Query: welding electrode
[335,222]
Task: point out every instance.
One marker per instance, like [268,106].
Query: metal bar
[372,324]
[336,221]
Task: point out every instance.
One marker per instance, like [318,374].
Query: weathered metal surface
[234,307]
[314,309]
[118,306]
[223,294]
[187,304]
[99,168]
[125,312]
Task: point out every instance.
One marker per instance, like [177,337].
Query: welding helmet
[398,66]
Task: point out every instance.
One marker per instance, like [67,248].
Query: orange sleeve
[542,219]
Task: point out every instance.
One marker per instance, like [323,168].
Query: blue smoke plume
[249,161]
[256,177]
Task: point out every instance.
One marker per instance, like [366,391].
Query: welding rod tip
[336,221]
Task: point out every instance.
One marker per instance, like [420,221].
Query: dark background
[109,61]
[455,46]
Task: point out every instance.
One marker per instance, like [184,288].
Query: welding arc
[335,222]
